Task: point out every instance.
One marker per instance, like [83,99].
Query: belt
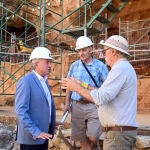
[118,128]
[82,101]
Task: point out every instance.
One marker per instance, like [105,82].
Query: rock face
[135,10]
[143,95]
[7,137]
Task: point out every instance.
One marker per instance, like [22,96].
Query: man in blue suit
[34,104]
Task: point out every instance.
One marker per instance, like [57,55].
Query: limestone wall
[143,85]
[144,95]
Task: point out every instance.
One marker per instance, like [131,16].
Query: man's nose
[50,64]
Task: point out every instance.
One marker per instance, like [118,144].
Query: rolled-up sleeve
[110,88]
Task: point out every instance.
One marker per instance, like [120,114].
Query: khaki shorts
[85,121]
[117,140]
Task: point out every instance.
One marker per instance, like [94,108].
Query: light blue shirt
[117,97]
[97,68]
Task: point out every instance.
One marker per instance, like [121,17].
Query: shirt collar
[121,59]
[91,63]
[39,76]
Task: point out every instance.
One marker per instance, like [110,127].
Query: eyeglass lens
[104,50]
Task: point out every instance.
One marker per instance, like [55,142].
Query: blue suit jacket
[32,110]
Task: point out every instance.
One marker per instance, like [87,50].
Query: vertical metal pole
[128,37]
[119,26]
[85,21]
[43,23]
[61,50]
[0,37]
[106,34]
[61,68]
[26,26]
[62,13]
[85,32]
[1,32]
[1,22]
[79,14]
[39,23]
[26,29]
[6,25]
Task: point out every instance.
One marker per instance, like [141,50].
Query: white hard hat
[117,42]
[83,42]
[40,52]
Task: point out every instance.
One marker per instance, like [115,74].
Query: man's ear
[91,49]
[114,52]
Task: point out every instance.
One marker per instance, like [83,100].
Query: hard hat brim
[77,48]
[42,58]
[102,42]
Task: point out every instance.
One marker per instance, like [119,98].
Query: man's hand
[44,135]
[70,84]
[57,123]
[67,108]
[77,81]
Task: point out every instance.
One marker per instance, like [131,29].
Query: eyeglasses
[104,51]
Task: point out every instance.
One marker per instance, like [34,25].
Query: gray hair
[123,54]
[33,63]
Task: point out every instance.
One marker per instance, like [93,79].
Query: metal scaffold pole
[85,19]
[1,22]
[43,14]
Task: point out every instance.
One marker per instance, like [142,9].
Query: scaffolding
[138,35]
[47,23]
[41,23]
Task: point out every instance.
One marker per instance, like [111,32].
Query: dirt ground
[143,119]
